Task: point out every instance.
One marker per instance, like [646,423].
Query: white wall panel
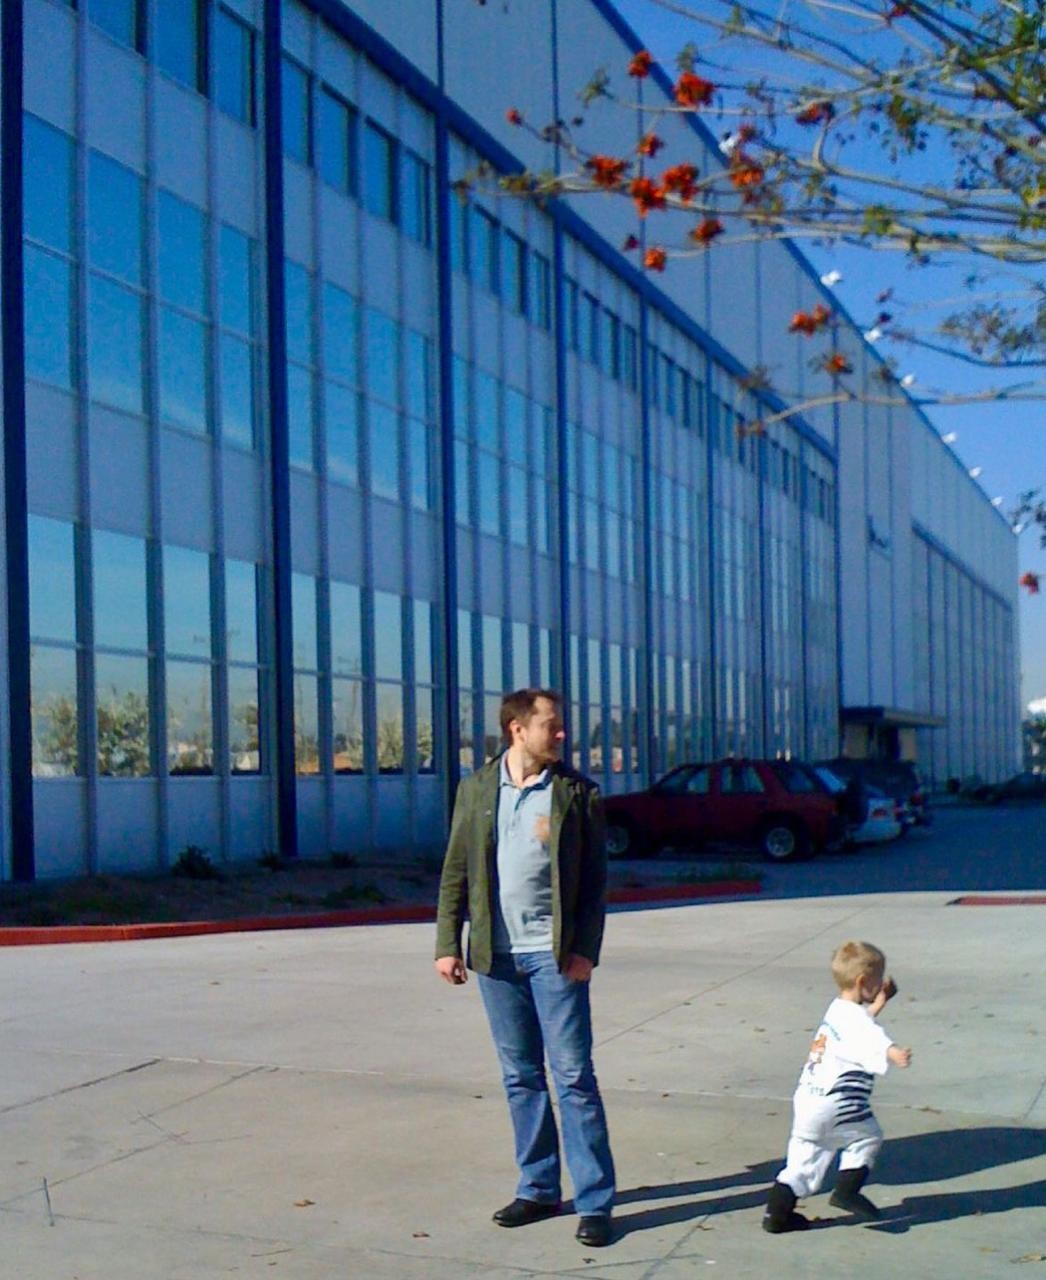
[128,825]
[237,184]
[246,532]
[304,506]
[50,87]
[194,816]
[52,454]
[119,472]
[345,533]
[60,827]
[187,489]
[115,92]
[180,157]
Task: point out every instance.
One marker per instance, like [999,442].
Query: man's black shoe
[521,1213]
[594,1230]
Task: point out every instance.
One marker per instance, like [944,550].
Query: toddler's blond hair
[855,960]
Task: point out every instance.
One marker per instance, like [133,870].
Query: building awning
[896,716]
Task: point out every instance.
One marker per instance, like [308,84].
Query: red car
[779,806]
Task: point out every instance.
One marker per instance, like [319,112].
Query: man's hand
[452,969]
[898,1056]
[578,968]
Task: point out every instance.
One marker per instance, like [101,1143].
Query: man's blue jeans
[532,1010]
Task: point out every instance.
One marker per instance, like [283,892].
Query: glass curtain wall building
[321,457]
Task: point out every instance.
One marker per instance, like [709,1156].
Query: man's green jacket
[577,849]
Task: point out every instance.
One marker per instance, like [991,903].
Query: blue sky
[1006,440]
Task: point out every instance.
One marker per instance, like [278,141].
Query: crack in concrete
[85,1084]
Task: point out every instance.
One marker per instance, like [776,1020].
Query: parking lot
[315,1104]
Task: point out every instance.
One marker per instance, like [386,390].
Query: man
[526,861]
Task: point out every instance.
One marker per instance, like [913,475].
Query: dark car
[779,806]
[898,779]
[1022,786]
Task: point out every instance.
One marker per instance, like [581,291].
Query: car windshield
[832,782]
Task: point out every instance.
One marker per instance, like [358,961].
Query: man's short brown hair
[856,960]
[521,705]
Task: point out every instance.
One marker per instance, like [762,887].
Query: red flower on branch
[641,64]
[836,363]
[816,113]
[646,195]
[650,144]
[682,179]
[692,90]
[809,322]
[1030,581]
[654,259]
[513,116]
[607,171]
[630,244]
[745,172]
[707,231]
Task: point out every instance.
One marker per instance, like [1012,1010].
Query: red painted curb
[42,935]
[1010,900]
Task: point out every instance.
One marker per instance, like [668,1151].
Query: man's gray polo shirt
[523,911]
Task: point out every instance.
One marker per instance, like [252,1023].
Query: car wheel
[621,839]
[783,840]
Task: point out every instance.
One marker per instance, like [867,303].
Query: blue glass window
[120,619]
[541,278]
[297,111]
[389,706]
[52,580]
[419,374]
[384,450]
[300,415]
[241,611]
[233,78]
[235,280]
[114,218]
[303,613]
[420,465]
[516,426]
[55,712]
[187,602]
[379,172]
[336,141]
[181,253]
[298,285]
[388,636]
[612,344]
[48,186]
[462,473]
[340,334]
[590,326]
[306,726]
[490,495]
[518,507]
[114,345]
[459,232]
[121,19]
[629,357]
[572,318]
[382,356]
[48,317]
[347,725]
[190,730]
[183,370]
[514,272]
[488,418]
[346,629]
[243,711]
[341,414]
[422,642]
[177,43]
[416,198]
[483,250]
[237,390]
[122,716]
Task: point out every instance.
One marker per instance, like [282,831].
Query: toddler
[831,1107]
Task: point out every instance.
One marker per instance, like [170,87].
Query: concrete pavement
[316,1104]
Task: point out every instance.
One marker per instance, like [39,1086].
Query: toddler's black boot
[780,1212]
[847,1194]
